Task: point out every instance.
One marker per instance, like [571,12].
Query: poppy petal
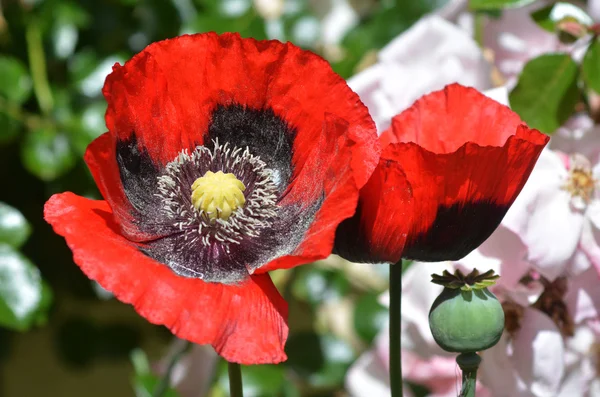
[101,158]
[166,95]
[245,323]
[449,220]
[155,110]
[444,120]
[328,176]
[453,165]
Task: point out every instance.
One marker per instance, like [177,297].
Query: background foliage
[61,332]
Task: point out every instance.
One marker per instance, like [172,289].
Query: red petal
[328,173]
[454,163]
[446,205]
[166,93]
[444,120]
[100,158]
[245,323]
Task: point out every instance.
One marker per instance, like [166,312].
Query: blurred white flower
[557,214]
[514,38]
[428,56]
[269,9]
[594,9]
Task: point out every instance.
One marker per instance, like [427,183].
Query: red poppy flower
[452,164]
[225,158]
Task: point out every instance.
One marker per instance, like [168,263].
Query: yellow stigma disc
[218,194]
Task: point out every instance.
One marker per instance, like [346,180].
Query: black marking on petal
[350,243]
[456,231]
[161,195]
[138,172]
[264,133]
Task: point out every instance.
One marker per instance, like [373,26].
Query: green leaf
[24,297]
[546,93]
[15,83]
[590,68]
[322,360]
[46,154]
[379,29]
[250,24]
[369,317]
[144,382]
[9,128]
[548,17]
[145,385]
[258,380]
[315,285]
[14,228]
[338,355]
[263,380]
[88,126]
[498,4]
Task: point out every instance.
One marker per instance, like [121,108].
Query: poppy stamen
[218,194]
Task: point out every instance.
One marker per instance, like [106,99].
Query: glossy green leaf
[548,17]
[15,83]
[14,228]
[369,317]
[546,93]
[498,4]
[590,67]
[46,154]
[68,19]
[24,298]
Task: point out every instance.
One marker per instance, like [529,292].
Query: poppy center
[218,194]
[581,182]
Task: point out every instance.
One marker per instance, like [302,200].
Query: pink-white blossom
[428,56]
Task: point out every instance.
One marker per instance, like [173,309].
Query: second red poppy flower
[452,165]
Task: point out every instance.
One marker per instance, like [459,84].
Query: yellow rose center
[218,194]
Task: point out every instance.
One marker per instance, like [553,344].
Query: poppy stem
[468,363]
[395,345]
[235,380]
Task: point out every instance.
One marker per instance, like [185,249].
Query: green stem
[468,363]
[15,112]
[37,65]
[395,345]
[235,380]
[165,382]
[479,23]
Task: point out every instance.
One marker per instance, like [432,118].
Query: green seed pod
[466,317]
